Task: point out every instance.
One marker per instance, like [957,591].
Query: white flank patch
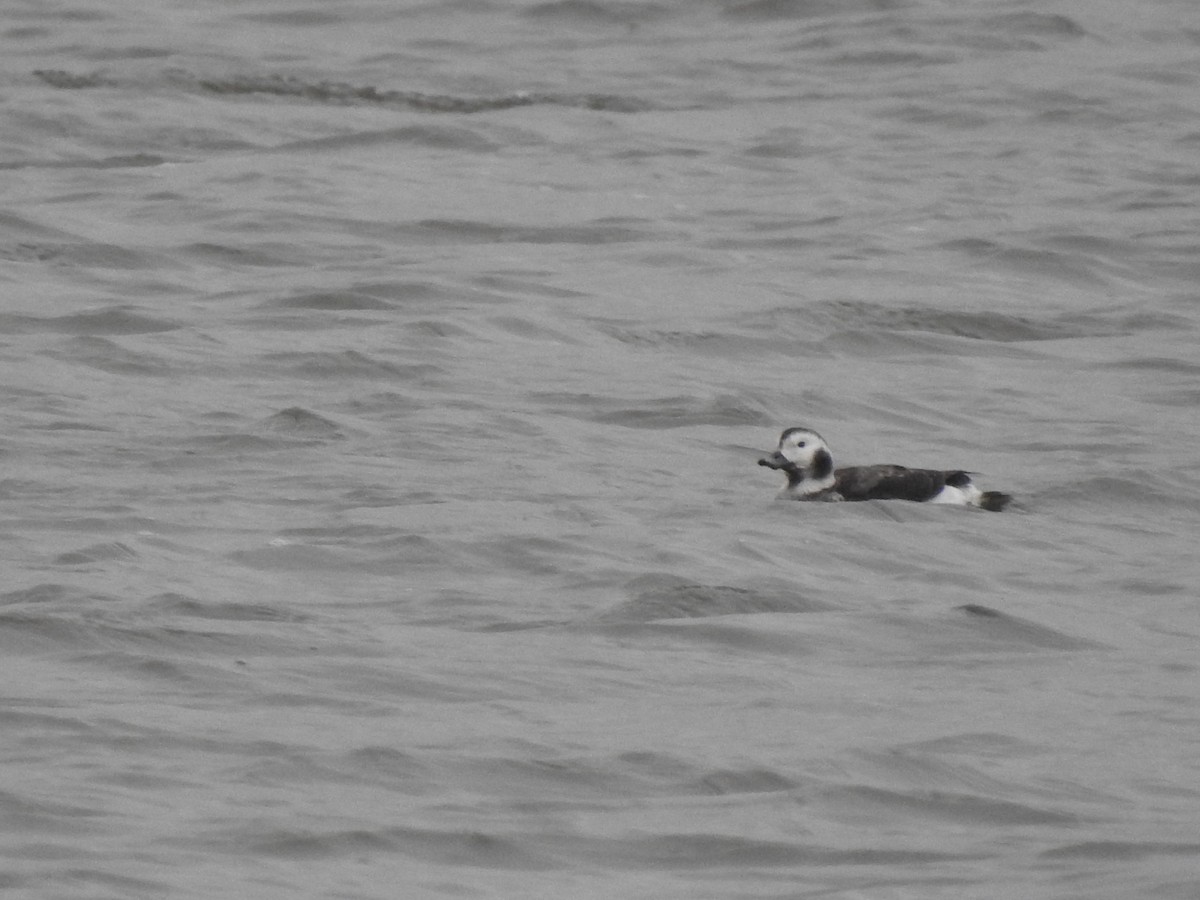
[963,496]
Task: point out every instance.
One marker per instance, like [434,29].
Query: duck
[804,457]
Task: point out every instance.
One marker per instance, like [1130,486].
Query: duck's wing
[893,482]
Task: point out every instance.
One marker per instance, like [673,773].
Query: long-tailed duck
[804,457]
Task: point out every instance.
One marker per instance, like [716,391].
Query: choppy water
[382,386]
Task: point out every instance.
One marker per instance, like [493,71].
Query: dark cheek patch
[822,464]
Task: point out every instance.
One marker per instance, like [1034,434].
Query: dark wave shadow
[342,94]
[659,597]
[659,413]
[1007,629]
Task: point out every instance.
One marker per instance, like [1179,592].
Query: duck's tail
[994,501]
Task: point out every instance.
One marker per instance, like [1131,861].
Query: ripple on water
[655,597]
[678,411]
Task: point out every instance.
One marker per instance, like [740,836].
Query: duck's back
[895,482]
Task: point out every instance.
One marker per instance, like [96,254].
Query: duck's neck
[804,484]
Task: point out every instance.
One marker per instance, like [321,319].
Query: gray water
[382,389]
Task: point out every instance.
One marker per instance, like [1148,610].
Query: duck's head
[802,454]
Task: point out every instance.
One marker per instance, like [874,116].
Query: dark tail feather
[994,501]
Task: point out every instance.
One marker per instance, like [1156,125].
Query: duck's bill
[774,461]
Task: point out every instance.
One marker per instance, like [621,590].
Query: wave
[556,849]
[658,597]
[589,12]
[285,429]
[946,806]
[342,94]
[770,10]
[295,421]
[1108,492]
[124,161]
[679,411]
[851,316]
[111,320]
[330,301]
[105,355]
[475,232]
[148,636]
[174,604]
[1108,851]
[105,551]
[1012,630]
